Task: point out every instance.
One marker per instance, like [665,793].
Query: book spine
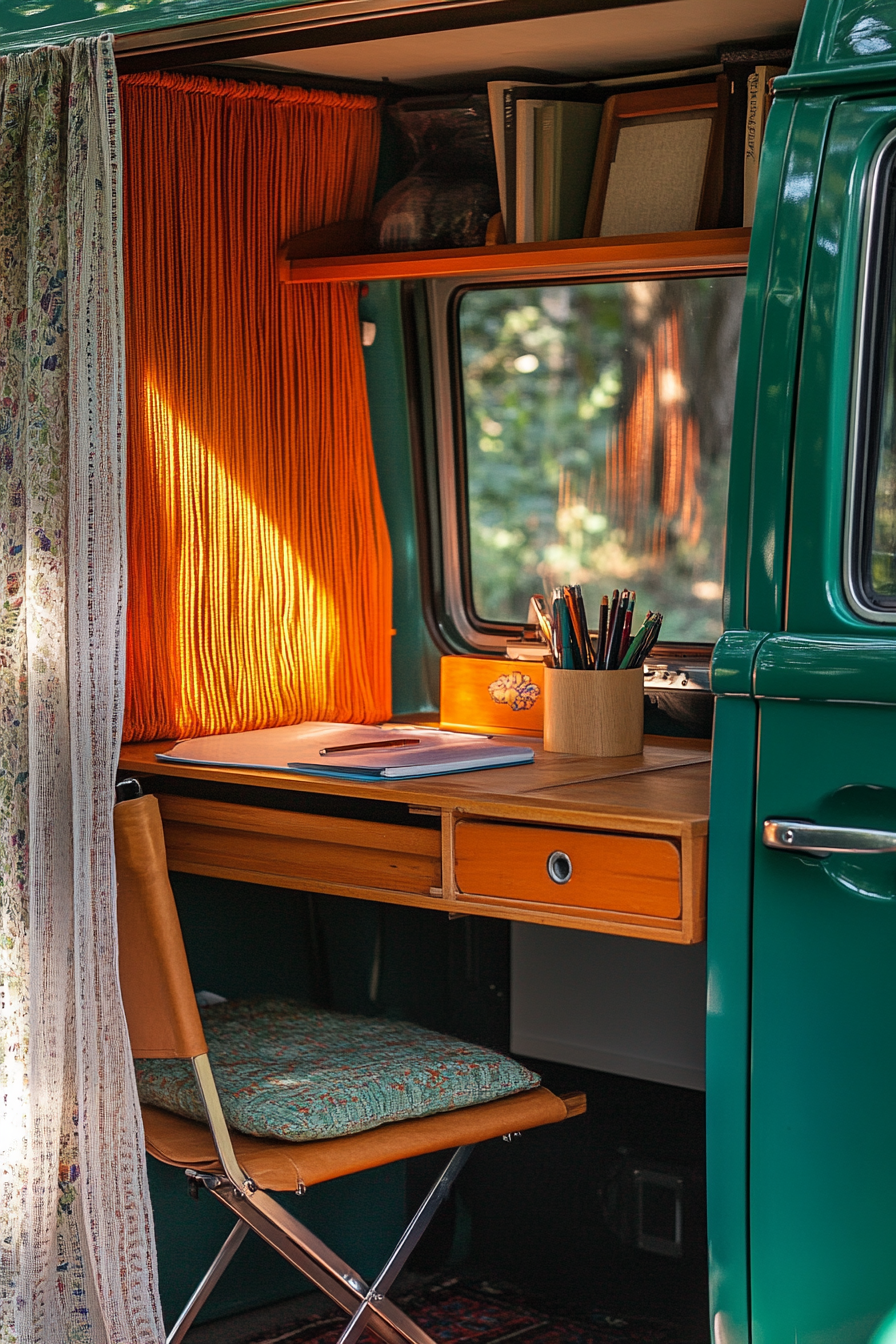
[731,208]
[546,174]
[752,146]
[510,165]
[525,170]
[496,116]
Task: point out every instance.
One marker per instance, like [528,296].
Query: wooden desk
[465,844]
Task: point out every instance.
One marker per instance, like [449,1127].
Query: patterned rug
[455,1312]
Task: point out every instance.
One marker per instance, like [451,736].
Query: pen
[601,649]
[611,627]
[578,651]
[544,618]
[567,658]
[587,646]
[627,626]
[372,746]
[557,605]
[616,633]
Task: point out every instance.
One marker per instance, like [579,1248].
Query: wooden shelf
[312,257]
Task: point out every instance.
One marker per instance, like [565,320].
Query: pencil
[653,636]
[630,659]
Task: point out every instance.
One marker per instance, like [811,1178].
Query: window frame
[444,526]
[876,303]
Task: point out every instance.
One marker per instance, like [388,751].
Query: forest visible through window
[598,436]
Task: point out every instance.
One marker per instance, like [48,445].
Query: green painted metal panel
[823,1089]
[768,363]
[817,667]
[816,600]
[795,138]
[415,659]
[31,23]
[886,1331]
[847,43]
[731,670]
[728,1014]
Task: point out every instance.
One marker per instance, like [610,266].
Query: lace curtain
[76,1238]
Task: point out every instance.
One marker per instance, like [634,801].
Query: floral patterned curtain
[76,1239]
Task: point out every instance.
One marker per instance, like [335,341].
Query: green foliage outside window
[598,428]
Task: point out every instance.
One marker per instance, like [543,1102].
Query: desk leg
[448,890]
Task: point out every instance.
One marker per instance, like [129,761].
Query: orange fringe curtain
[259,565]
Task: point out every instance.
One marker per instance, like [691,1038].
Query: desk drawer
[622,873]
[290,849]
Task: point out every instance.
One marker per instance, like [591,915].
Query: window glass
[881,576]
[876,523]
[598,431]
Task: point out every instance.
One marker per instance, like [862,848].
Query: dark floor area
[455,1310]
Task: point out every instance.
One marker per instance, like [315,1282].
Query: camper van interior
[540,413]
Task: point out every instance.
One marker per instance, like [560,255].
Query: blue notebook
[351,751]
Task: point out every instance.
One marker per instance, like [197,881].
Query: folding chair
[164,1023]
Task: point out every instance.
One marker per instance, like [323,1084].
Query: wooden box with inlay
[492,695]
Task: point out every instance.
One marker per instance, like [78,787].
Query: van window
[597,426]
[872,557]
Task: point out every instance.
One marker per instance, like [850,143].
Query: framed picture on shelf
[659,163]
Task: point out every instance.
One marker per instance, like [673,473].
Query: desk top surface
[665,789]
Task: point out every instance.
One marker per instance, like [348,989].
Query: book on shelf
[514,131]
[566,143]
[759,100]
[527,152]
[575,160]
[739,61]
[496,89]
[658,166]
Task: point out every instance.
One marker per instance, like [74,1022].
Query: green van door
[809,1083]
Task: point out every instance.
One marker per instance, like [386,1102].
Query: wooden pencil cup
[594,713]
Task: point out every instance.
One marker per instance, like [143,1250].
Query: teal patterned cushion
[286,1071]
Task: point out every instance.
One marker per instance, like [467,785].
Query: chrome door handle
[804,837]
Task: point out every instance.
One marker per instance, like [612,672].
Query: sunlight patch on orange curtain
[248,558]
[259,561]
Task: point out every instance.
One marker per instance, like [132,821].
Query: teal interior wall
[415,660]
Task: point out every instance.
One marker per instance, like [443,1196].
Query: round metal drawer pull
[559,866]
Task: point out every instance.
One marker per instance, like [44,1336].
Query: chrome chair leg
[327,1271]
[212,1275]
[409,1239]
